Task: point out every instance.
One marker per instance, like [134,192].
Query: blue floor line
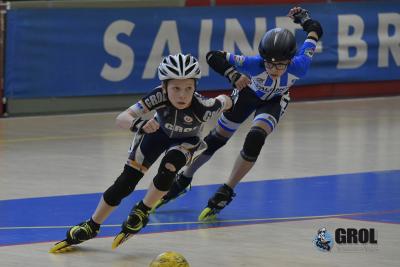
[370,192]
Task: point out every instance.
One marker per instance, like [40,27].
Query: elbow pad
[218,62]
[313,26]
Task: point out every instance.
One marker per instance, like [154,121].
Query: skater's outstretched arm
[126,118]
[312,27]
[131,119]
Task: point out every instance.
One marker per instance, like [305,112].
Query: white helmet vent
[180,67]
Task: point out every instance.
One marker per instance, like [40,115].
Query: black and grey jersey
[181,123]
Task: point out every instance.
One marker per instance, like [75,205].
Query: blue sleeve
[302,60]
[249,65]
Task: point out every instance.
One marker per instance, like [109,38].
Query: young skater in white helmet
[174,130]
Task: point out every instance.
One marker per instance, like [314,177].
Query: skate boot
[179,187]
[137,219]
[77,234]
[220,200]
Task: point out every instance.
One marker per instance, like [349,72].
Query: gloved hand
[299,15]
[240,81]
[150,126]
[302,16]
[137,125]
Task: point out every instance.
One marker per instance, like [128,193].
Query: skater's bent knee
[173,161]
[255,140]
[123,186]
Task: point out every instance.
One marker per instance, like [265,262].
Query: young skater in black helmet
[261,86]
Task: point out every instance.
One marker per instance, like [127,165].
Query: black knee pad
[214,142]
[164,178]
[123,186]
[252,145]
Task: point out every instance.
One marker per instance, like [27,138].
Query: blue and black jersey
[181,123]
[265,87]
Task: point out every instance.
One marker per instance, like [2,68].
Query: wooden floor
[337,146]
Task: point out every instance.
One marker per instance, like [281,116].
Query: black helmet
[277,44]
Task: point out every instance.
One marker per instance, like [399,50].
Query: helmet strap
[164,85]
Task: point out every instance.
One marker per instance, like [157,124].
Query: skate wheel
[207,214]
[119,239]
[59,246]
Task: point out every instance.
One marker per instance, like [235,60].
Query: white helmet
[180,67]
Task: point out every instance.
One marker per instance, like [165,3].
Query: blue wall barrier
[83,52]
